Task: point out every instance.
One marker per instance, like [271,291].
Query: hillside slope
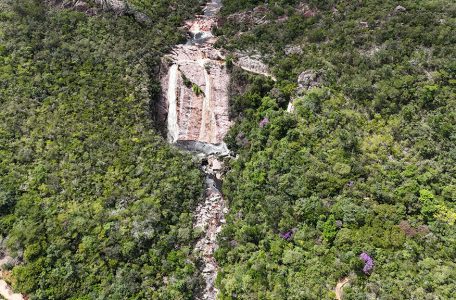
[362,161]
[93,203]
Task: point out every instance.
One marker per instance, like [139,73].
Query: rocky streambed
[210,216]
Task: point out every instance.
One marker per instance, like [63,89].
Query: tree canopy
[93,202]
[365,163]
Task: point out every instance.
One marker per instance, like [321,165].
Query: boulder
[364,24]
[308,79]
[290,50]
[400,9]
[141,17]
[252,64]
[7,261]
[118,6]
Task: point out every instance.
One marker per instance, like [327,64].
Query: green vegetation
[197,89]
[94,203]
[187,82]
[365,163]
[97,206]
[175,12]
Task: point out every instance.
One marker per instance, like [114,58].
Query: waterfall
[173,127]
[206,109]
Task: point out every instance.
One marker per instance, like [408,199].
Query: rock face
[308,79]
[196,93]
[195,86]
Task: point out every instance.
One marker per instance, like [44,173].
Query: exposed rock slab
[196,87]
[253,64]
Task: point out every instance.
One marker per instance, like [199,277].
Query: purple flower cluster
[264,122]
[368,262]
[287,235]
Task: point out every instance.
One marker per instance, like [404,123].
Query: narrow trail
[255,71]
[7,293]
[5,290]
[340,285]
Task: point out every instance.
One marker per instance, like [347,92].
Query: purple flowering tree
[288,235]
[264,122]
[368,263]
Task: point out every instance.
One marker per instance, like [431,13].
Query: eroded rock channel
[195,102]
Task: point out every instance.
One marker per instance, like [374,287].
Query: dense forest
[358,178]
[93,203]
[344,165]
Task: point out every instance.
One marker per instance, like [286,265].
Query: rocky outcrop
[293,50]
[399,9]
[306,80]
[251,18]
[304,9]
[118,7]
[253,64]
[261,15]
